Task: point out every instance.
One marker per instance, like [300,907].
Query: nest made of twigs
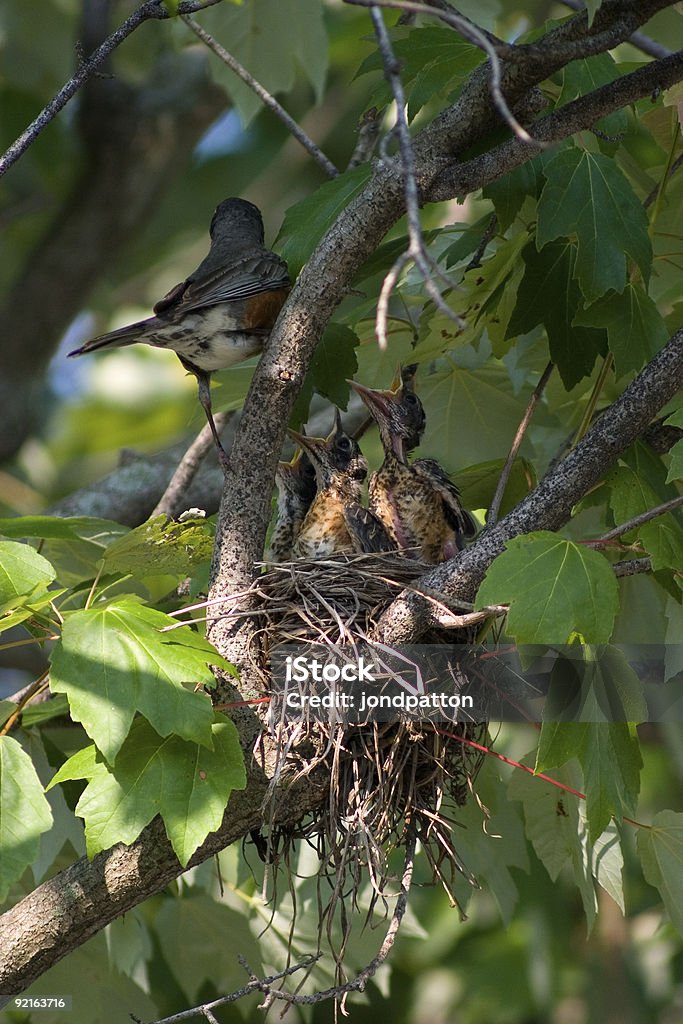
[387,779]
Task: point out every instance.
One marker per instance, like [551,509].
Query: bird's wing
[366,530]
[457,517]
[246,277]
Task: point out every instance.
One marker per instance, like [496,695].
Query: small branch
[478,253]
[266,98]
[416,249]
[256,985]
[359,983]
[644,517]
[27,696]
[492,517]
[638,39]
[171,500]
[151,10]
[632,567]
[473,34]
[675,166]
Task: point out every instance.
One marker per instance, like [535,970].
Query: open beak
[376,401]
[308,444]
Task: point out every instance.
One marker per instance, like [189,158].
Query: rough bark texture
[67,910]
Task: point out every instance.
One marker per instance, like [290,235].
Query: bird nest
[390,782]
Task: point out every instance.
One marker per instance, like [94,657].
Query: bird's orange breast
[261,311]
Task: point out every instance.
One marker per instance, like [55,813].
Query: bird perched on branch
[417,502]
[223,312]
[337,522]
[296,487]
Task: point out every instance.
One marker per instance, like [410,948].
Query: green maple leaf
[588,197]
[185,783]
[554,588]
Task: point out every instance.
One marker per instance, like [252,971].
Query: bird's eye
[411,399]
[344,444]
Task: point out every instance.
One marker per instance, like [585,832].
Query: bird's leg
[204,391]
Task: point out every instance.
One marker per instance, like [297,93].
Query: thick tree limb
[461,178]
[129,494]
[638,39]
[62,913]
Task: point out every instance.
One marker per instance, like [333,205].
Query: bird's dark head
[398,412]
[336,457]
[237,216]
[297,477]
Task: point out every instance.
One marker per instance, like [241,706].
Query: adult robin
[417,502]
[337,522]
[223,312]
[296,489]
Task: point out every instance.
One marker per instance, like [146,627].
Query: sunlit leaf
[554,588]
[661,851]
[24,812]
[185,783]
[113,661]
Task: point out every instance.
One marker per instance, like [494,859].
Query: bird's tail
[140,331]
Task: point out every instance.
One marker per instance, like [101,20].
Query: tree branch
[175,496]
[631,524]
[638,39]
[416,249]
[462,178]
[266,98]
[492,517]
[151,10]
[549,505]
[245,507]
[62,913]
[632,567]
[473,34]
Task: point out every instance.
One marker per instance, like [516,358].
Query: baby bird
[337,522]
[296,487]
[417,502]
